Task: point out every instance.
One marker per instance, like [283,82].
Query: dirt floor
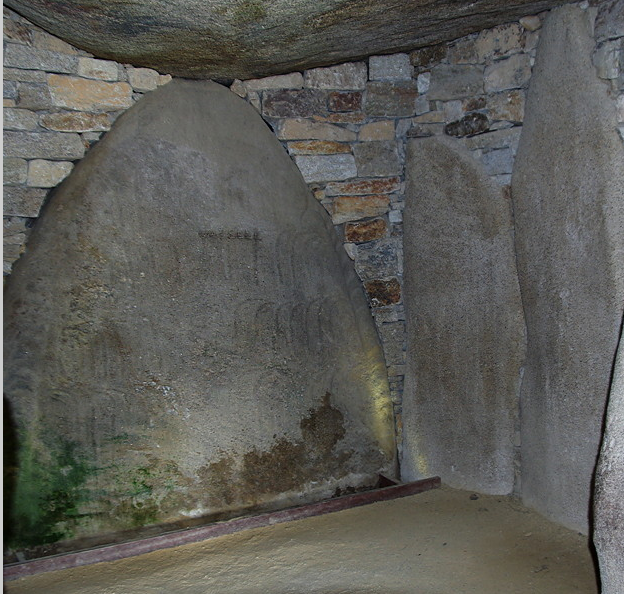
[438,542]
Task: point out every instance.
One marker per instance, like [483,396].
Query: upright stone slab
[567,187]
[608,501]
[186,336]
[464,322]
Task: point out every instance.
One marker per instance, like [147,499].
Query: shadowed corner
[9,461]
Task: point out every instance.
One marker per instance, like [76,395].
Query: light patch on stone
[319,168]
[98,69]
[89,95]
[349,76]
[47,174]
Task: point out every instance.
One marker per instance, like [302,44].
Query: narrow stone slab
[465,328]
[567,189]
[185,334]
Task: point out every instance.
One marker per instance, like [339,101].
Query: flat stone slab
[185,335]
[465,328]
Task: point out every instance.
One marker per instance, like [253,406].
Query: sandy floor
[439,542]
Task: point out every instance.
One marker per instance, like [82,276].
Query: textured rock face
[608,501]
[186,335]
[464,322]
[567,189]
[250,38]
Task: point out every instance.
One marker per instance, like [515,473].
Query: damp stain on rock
[285,467]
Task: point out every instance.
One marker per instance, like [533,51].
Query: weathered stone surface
[22,202]
[24,75]
[609,20]
[225,40]
[508,137]
[19,119]
[393,99]
[17,32]
[376,159]
[89,95]
[393,335]
[382,130]
[345,101]
[464,322]
[143,79]
[326,167]
[34,96]
[190,332]
[608,533]
[508,105]
[365,230]
[291,103]
[377,259]
[28,58]
[455,82]
[293,80]
[99,69]
[499,41]
[301,129]
[463,51]
[43,145]
[424,58]
[393,67]
[15,170]
[76,121]
[567,190]
[531,22]
[383,292]
[498,161]
[318,147]
[472,123]
[47,174]
[353,208]
[606,59]
[9,89]
[351,76]
[364,186]
[511,73]
[422,83]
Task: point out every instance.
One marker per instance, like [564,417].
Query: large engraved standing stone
[186,335]
[567,187]
[464,322]
[608,500]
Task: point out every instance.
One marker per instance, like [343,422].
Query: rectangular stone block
[350,76]
[29,58]
[98,69]
[302,129]
[354,208]
[23,202]
[20,75]
[143,79]
[319,168]
[455,81]
[377,259]
[392,67]
[363,187]
[426,57]
[499,41]
[290,103]
[463,51]
[293,80]
[318,147]
[19,119]
[47,174]
[377,159]
[345,101]
[508,137]
[360,232]
[43,145]
[15,170]
[507,106]
[394,99]
[34,96]
[9,89]
[76,121]
[382,292]
[511,73]
[82,94]
[45,41]
[382,130]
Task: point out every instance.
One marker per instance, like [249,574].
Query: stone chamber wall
[345,126]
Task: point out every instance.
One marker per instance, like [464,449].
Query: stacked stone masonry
[344,126]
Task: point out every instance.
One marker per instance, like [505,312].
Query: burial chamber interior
[187,340]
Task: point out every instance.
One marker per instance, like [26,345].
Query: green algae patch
[50,489]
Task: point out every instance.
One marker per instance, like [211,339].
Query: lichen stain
[286,466]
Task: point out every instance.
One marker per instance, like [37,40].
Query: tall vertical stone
[567,187]
[464,322]
[185,335]
[608,501]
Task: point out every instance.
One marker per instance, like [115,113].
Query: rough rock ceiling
[227,39]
